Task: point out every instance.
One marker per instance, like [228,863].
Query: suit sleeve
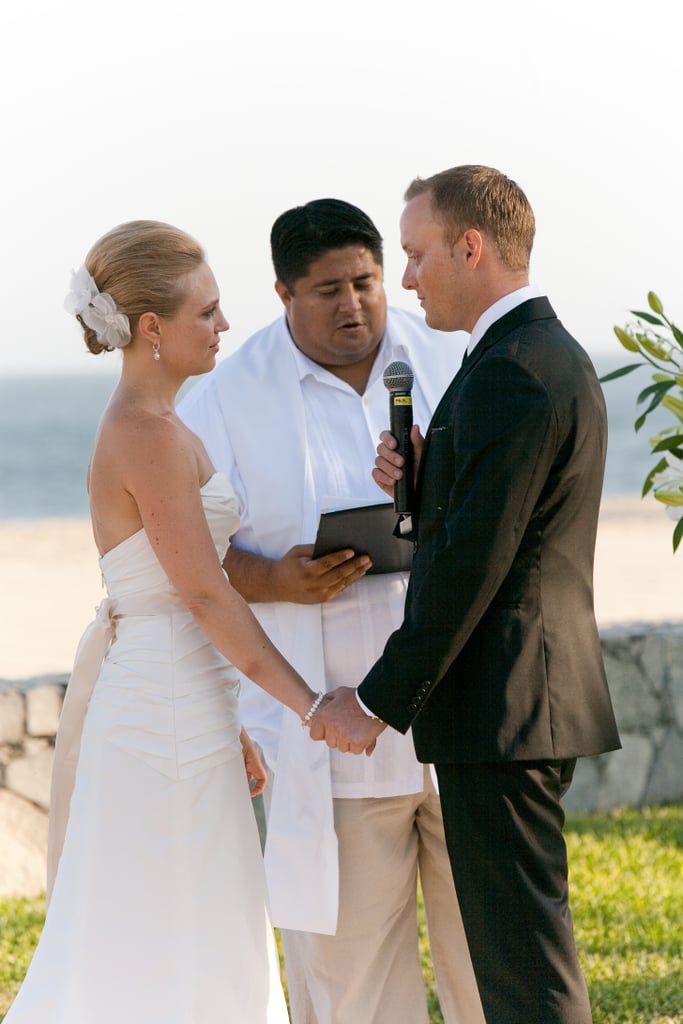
[487,462]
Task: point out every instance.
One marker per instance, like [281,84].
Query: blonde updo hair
[143,265]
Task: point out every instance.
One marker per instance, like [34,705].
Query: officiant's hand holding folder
[367,530]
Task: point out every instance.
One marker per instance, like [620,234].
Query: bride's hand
[257,776]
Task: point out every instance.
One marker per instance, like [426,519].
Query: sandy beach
[51,584]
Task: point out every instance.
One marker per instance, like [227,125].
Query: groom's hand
[343,724]
[389,462]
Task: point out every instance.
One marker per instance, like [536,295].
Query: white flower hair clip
[97,310]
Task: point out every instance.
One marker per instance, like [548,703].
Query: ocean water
[47,427]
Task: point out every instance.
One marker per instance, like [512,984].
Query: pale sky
[217,116]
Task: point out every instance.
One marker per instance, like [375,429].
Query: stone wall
[29,713]
[645,672]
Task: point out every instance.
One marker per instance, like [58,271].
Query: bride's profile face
[191,336]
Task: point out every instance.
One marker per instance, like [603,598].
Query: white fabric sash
[90,654]
[300,856]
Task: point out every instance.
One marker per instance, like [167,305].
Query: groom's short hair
[475,196]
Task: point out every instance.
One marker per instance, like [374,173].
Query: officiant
[293,418]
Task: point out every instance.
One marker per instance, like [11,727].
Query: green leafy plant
[660,344]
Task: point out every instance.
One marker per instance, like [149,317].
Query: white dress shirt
[498,310]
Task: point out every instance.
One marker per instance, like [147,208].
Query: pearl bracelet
[306,720]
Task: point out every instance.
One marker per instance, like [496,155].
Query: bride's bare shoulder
[138,443]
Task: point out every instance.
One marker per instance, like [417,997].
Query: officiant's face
[337,312]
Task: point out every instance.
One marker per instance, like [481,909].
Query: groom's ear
[472,247]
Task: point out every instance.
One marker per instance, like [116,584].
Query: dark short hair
[305,233]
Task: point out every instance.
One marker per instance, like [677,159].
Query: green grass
[627,901]
[20,925]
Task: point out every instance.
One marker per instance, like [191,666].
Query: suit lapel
[533,309]
[525,313]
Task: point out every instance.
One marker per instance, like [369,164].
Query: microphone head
[398,376]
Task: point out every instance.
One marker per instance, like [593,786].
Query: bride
[157,910]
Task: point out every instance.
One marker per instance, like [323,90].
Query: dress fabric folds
[158,912]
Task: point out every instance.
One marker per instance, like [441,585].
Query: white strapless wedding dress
[158,911]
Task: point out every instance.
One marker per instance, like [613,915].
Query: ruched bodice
[132,574]
[171,692]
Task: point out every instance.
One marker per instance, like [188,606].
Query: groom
[497,665]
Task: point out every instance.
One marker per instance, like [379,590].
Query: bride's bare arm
[161,474]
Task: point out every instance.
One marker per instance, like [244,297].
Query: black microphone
[398,379]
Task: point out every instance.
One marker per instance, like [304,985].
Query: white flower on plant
[667,486]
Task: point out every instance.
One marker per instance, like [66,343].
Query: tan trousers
[369,972]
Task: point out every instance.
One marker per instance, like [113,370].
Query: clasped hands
[341,723]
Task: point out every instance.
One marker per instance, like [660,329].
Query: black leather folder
[368,530]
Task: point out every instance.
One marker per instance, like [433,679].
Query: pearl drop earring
[155,349]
